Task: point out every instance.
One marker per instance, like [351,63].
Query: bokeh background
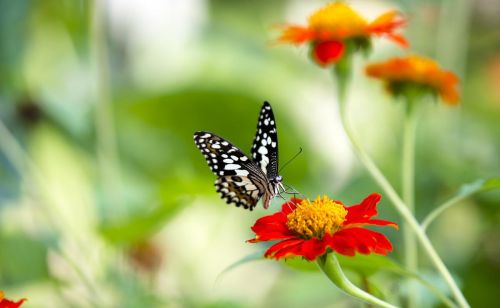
[106,202]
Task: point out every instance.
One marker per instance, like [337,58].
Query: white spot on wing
[232,167]
[262,150]
[242,172]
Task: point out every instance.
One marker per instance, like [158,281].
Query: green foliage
[23,260]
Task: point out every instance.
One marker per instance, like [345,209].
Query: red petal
[5,303]
[284,248]
[359,215]
[341,244]
[363,211]
[271,227]
[328,52]
[349,241]
[313,248]
[309,249]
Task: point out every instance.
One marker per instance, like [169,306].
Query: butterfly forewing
[240,181]
[265,144]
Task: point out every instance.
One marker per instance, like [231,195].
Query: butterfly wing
[240,181]
[265,144]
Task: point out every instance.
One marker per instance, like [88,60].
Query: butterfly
[241,180]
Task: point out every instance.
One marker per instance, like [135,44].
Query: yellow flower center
[314,219]
[338,18]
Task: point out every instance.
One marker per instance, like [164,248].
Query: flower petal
[296,35]
[309,249]
[365,210]
[6,303]
[271,227]
[313,248]
[417,71]
[387,23]
[328,52]
[349,241]
[285,249]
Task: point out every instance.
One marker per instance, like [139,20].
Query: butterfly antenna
[291,159]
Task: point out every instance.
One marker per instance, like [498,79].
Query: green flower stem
[408,185]
[331,267]
[441,208]
[394,197]
[107,153]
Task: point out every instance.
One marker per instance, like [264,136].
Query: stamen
[314,219]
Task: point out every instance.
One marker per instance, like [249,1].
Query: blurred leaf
[464,192]
[368,265]
[480,185]
[22,260]
[174,194]
[13,15]
[138,227]
[373,288]
[300,264]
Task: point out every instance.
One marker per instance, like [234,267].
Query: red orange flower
[310,228]
[417,72]
[330,28]
[5,303]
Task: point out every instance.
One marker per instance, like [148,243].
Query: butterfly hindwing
[240,181]
[265,144]
[239,190]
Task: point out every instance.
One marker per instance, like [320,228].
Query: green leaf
[368,265]
[22,260]
[478,186]
[300,264]
[464,192]
[138,227]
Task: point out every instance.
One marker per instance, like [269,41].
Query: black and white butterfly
[241,180]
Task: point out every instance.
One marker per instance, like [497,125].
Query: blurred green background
[106,202]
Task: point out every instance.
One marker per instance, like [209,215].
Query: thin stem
[408,187]
[399,204]
[331,267]
[107,153]
[441,208]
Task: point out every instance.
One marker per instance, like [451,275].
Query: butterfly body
[241,180]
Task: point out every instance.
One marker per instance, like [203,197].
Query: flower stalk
[408,193]
[396,200]
[107,149]
[330,266]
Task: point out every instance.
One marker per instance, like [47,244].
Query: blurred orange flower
[418,72]
[5,303]
[331,27]
[311,228]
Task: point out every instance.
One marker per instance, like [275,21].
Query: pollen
[338,17]
[315,219]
